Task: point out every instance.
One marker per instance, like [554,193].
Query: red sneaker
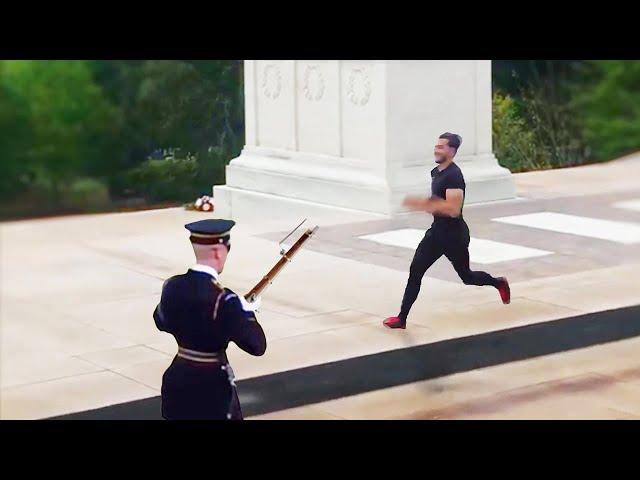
[395,322]
[505,291]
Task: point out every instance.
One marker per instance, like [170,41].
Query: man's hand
[250,306]
[416,203]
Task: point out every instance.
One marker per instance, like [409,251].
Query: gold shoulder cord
[218,285]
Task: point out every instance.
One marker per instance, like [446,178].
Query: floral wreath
[202,204]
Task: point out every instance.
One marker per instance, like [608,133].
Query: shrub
[535,133]
[86,194]
[514,143]
[161,180]
[554,127]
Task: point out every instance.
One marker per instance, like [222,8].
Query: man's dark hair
[454,140]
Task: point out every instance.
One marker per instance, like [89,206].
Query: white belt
[195,356]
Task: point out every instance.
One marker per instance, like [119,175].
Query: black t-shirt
[450,177]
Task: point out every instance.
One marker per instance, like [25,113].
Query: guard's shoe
[395,322]
[505,291]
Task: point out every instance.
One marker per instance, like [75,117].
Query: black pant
[451,240]
[198,391]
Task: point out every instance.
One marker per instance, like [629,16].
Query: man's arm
[158,314]
[451,207]
[244,329]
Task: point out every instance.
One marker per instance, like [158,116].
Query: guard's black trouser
[452,240]
[192,391]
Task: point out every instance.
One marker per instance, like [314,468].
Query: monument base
[238,204]
[261,183]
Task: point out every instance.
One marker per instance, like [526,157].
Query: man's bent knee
[466,278]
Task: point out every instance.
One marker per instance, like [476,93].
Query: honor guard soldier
[204,317]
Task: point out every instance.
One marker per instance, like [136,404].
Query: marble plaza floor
[76,332]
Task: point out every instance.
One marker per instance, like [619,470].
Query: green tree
[14,139]
[535,125]
[607,102]
[69,118]
[511,77]
[195,107]
[68,124]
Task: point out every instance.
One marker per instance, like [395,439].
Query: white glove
[250,306]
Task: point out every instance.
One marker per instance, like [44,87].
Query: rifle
[286,258]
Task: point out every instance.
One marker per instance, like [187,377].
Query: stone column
[359,134]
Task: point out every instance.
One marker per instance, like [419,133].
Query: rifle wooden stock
[286,258]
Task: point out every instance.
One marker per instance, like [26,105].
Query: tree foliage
[68,120]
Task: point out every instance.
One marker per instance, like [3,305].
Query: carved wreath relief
[358,87]
[313,83]
[271,81]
